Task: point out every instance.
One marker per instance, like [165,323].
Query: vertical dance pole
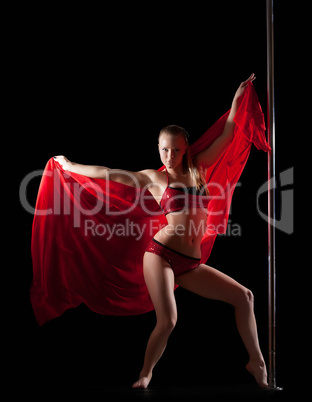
[271,194]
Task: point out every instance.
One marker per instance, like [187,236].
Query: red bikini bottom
[180,263]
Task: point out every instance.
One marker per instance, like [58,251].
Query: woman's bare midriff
[184,232]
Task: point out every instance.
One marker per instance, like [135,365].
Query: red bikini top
[178,198]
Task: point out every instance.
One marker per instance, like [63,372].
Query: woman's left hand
[243,86]
[63,161]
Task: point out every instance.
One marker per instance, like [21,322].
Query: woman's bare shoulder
[155,176]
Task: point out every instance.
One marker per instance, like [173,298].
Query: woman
[173,256]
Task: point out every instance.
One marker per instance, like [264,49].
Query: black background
[97,85]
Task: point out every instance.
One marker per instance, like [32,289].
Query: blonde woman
[173,255]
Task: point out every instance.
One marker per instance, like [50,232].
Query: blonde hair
[196,175]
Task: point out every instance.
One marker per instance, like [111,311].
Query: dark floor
[96,392]
[188,393]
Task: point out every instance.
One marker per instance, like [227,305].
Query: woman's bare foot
[257,368]
[142,382]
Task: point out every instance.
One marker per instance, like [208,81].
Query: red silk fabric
[89,235]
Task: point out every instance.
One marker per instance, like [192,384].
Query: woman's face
[171,150]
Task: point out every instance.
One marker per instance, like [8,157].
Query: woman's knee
[167,324]
[245,297]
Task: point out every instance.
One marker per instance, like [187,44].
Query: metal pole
[271,194]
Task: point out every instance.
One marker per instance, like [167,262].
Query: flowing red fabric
[89,235]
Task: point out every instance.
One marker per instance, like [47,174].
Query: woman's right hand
[63,161]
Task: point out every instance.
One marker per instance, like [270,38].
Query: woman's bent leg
[210,283]
[159,279]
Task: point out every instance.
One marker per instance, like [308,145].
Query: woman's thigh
[212,284]
[159,279]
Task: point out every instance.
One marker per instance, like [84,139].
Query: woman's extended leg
[210,283]
[159,279]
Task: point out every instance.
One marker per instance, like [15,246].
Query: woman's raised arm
[134,179]
[210,155]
